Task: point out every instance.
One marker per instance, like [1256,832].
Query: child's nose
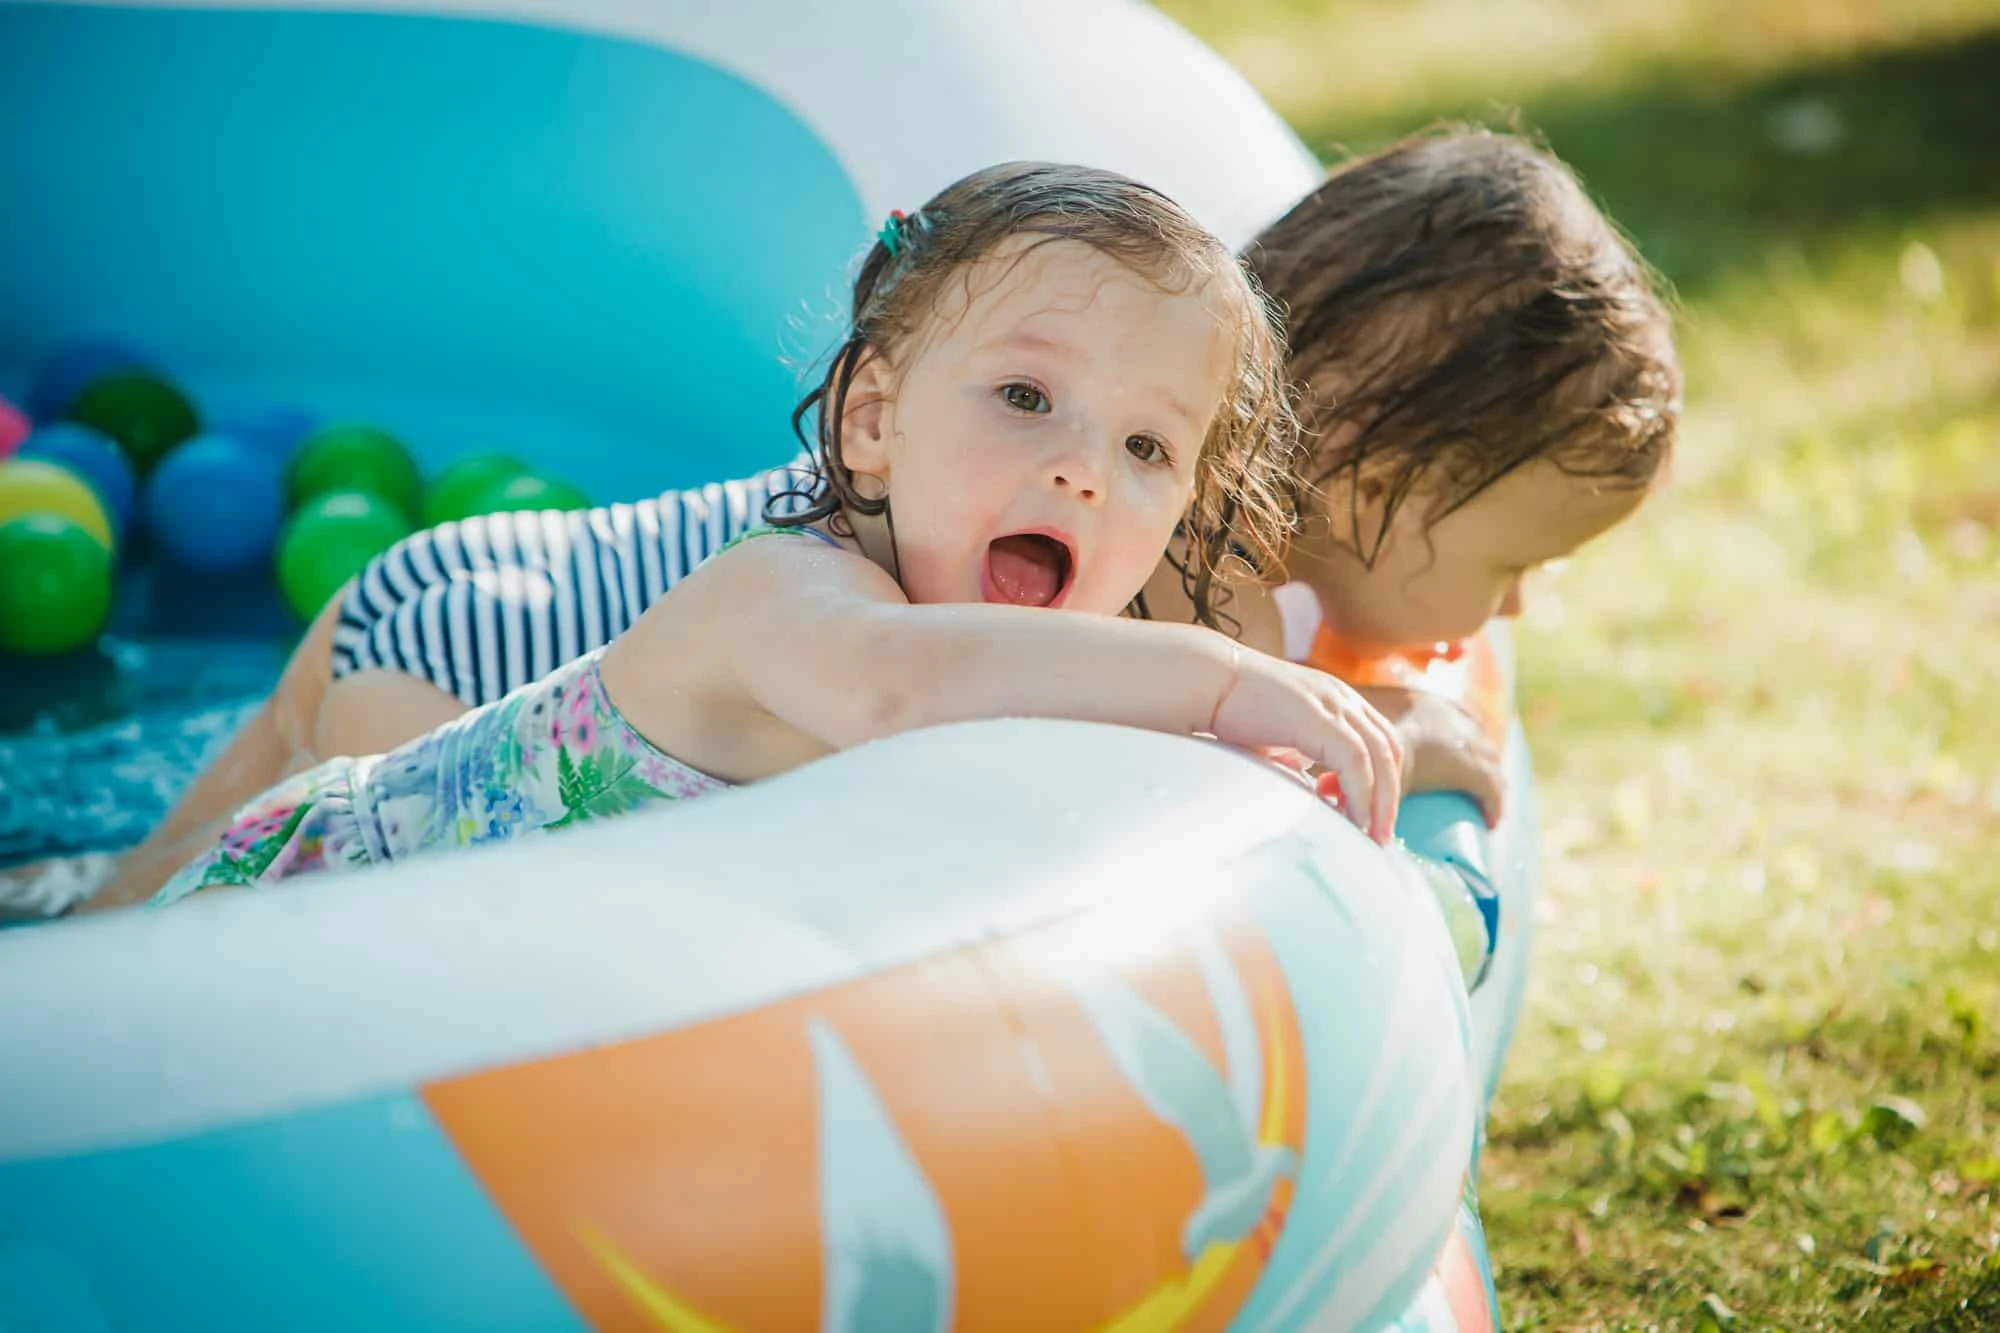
[1073,480]
[1510,604]
[1080,472]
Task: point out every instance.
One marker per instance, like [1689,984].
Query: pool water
[95,746]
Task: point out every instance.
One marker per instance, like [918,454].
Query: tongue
[1026,571]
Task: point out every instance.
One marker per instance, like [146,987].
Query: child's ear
[865,425]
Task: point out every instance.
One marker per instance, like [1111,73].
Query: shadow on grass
[1710,174]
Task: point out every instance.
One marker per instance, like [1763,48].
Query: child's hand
[1445,748]
[1275,705]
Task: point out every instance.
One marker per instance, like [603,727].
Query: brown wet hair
[1458,308]
[1243,474]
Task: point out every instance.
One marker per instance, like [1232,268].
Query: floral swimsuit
[553,753]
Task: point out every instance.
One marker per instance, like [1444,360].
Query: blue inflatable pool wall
[592,252]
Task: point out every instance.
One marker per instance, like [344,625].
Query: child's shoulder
[774,530]
[773,562]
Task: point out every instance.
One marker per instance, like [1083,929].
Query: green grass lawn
[1758,1082]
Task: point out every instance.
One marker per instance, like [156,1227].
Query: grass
[1758,1082]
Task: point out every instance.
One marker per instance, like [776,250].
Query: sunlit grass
[1769,717]
[1760,1068]
[1368,58]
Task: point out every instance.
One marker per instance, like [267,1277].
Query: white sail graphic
[1180,1086]
[888,1247]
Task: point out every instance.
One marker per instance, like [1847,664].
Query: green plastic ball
[458,487]
[528,491]
[146,415]
[329,540]
[355,458]
[55,585]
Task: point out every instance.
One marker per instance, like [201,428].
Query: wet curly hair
[1241,505]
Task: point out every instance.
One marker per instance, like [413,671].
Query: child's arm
[1444,746]
[825,642]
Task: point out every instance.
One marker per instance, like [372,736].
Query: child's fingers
[1343,752]
[1386,755]
[1385,764]
[1329,789]
[1285,757]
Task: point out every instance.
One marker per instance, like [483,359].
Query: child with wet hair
[1490,382]
[1050,369]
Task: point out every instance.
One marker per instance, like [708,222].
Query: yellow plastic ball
[31,486]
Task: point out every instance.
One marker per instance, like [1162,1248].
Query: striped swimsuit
[482,607]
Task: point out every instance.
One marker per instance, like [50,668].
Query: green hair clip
[891,234]
[904,231]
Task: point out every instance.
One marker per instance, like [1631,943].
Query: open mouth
[1028,569]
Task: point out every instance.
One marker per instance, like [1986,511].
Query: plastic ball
[92,455]
[458,488]
[356,458]
[528,491]
[214,503]
[60,378]
[276,429]
[14,427]
[328,541]
[144,413]
[55,585]
[34,486]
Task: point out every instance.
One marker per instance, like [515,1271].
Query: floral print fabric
[553,753]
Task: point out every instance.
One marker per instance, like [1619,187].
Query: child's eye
[1147,449]
[1024,397]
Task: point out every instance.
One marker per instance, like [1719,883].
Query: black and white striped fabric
[481,607]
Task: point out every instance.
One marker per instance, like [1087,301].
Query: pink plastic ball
[14,428]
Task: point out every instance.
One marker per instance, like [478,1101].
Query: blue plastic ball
[215,503]
[59,378]
[96,458]
[271,428]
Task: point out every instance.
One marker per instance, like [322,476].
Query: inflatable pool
[1083,1028]
[1194,1055]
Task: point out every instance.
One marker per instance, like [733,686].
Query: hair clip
[895,234]
[891,234]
